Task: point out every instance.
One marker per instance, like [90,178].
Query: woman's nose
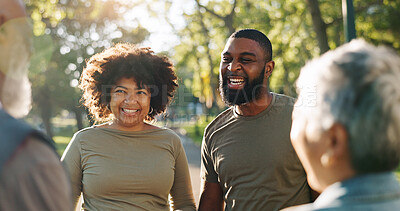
[130,98]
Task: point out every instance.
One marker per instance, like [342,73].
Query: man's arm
[211,197]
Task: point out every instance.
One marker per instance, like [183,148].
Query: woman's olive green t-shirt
[119,170]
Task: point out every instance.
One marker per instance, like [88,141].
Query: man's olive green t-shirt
[253,160]
[120,170]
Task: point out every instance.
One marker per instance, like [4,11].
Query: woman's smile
[129,104]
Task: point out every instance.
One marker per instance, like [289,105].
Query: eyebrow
[247,54]
[122,87]
[242,54]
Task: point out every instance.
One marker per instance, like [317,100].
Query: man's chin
[235,98]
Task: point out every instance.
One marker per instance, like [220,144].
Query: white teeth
[236,81]
[129,110]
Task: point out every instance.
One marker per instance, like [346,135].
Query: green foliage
[68,32]
[61,143]
[195,131]
[288,25]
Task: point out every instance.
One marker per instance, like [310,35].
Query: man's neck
[256,106]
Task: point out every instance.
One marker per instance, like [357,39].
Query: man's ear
[269,67]
[337,146]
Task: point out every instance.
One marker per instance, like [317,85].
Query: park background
[192,33]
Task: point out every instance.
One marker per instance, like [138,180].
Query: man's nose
[234,66]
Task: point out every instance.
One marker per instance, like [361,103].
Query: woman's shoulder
[89,131]
[167,132]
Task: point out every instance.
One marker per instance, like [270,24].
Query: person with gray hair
[31,174]
[346,128]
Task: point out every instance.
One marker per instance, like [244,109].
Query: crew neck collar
[129,132]
[238,116]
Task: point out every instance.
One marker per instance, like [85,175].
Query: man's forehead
[241,45]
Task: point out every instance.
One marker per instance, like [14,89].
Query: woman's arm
[72,162]
[181,192]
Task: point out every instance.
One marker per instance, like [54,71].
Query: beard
[15,96]
[251,90]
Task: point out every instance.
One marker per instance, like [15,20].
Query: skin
[10,9]
[325,154]
[244,58]
[130,105]
[241,58]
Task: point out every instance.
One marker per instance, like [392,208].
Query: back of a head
[358,86]
[257,36]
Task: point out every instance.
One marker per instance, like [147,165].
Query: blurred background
[190,32]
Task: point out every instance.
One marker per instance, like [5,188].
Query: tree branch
[209,11]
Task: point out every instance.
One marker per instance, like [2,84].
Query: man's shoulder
[283,104]
[32,154]
[40,151]
[220,120]
[284,100]
[13,129]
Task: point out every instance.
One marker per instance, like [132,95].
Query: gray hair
[358,86]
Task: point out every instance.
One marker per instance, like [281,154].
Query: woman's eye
[142,92]
[119,91]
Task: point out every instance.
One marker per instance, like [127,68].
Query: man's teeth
[236,81]
[129,110]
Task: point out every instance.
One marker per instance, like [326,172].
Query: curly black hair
[123,60]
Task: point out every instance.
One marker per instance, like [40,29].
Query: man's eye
[224,59]
[246,60]
[142,93]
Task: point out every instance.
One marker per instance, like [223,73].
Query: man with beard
[248,161]
[31,175]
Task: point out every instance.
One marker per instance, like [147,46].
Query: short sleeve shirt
[253,160]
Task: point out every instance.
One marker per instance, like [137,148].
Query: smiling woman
[128,163]
[129,104]
[106,69]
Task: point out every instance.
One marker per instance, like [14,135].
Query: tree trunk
[46,111]
[213,79]
[319,25]
[46,118]
[229,23]
[78,117]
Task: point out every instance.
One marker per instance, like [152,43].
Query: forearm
[211,197]
[181,192]
[210,204]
